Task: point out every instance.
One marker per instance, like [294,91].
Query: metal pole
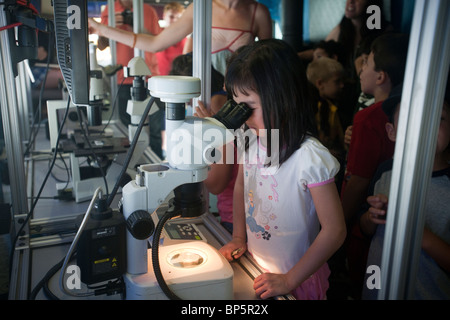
[24,94]
[201,54]
[138,23]
[11,124]
[421,106]
[292,14]
[112,48]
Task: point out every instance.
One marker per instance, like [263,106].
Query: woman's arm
[152,43]
[263,23]
[334,34]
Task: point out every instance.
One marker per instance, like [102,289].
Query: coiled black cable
[155,254]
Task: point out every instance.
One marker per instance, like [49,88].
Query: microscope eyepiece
[226,109]
[233,115]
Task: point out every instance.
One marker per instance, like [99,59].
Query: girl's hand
[233,249]
[201,111]
[270,285]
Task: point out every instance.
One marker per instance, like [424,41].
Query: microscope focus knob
[140,224]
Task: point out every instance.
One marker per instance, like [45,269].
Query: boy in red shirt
[383,70]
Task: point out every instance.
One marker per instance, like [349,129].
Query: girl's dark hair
[273,70]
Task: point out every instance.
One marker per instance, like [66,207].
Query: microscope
[191,148]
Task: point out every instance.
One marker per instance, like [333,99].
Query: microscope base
[193,270]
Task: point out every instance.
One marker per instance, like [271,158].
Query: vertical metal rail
[25,104]
[11,124]
[138,23]
[423,91]
[201,56]
[13,144]
[201,52]
[112,48]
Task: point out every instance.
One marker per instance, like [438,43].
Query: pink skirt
[315,287]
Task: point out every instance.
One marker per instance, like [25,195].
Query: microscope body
[190,145]
[154,182]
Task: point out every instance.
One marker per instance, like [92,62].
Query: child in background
[286,211]
[330,49]
[370,146]
[362,54]
[432,280]
[326,75]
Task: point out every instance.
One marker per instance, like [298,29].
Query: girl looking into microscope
[287,214]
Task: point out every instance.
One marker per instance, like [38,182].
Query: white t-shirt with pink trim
[281,219]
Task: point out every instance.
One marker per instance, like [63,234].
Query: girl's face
[355,8]
[252,99]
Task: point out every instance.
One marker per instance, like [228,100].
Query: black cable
[66,168]
[48,293]
[155,254]
[113,106]
[40,285]
[130,151]
[92,150]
